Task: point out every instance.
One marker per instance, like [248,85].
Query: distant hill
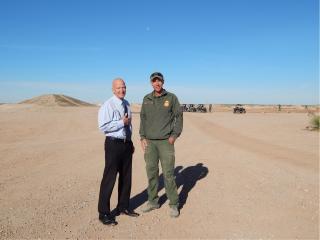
[56,100]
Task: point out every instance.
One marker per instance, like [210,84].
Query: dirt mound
[56,100]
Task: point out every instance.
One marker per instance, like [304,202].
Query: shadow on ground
[187,178]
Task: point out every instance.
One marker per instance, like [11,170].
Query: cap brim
[154,77]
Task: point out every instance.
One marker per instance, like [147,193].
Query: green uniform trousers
[163,150]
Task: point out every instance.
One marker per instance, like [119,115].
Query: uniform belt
[119,140]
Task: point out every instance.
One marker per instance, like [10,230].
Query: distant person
[114,121]
[161,124]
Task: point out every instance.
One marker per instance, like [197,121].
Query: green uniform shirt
[160,117]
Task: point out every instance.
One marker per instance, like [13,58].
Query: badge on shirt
[166,103]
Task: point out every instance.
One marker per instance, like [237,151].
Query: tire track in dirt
[257,146]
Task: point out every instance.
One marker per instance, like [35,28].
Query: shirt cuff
[142,137]
[174,136]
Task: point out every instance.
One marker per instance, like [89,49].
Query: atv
[239,109]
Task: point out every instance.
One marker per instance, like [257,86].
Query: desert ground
[249,176]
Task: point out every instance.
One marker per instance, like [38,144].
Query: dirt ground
[251,176]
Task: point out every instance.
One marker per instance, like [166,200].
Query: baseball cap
[156,75]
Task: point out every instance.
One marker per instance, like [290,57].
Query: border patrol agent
[161,122]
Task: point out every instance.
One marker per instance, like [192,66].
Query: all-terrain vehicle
[184,108]
[239,109]
[201,108]
[192,108]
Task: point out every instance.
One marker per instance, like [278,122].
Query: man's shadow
[187,178]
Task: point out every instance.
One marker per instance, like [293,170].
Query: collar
[118,101]
[152,95]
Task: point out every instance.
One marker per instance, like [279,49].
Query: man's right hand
[144,144]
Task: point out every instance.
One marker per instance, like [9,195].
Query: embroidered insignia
[166,103]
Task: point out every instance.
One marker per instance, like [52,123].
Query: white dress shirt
[110,117]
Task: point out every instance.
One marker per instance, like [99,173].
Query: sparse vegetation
[315,122]
[279,107]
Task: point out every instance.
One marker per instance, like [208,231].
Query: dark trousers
[118,159]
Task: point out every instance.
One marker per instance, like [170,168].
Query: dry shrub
[315,122]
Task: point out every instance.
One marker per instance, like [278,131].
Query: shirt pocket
[149,110]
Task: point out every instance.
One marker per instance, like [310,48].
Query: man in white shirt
[114,121]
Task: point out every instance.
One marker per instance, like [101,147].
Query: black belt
[119,140]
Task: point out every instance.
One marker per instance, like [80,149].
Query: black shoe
[107,219]
[127,212]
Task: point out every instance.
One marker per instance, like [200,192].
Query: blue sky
[210,51]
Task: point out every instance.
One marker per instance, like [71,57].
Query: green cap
[155,75]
